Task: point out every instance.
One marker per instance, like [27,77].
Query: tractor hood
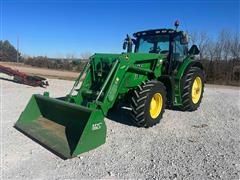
[107,57]
[127,56]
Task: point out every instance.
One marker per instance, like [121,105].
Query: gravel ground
[204,144]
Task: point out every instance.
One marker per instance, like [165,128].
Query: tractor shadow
[6,79]
[174,109]
[10,80]
[121,115]
[16,82]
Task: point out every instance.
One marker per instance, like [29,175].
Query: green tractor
[161,72]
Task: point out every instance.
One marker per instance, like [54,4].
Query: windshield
[153,44]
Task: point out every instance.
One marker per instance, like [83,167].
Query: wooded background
[220,57]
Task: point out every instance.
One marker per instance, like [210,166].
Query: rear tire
[148,103]
[193,88]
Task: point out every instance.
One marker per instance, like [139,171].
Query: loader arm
[75,123]
[117,80]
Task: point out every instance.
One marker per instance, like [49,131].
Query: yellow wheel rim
[156,105]
[196,90]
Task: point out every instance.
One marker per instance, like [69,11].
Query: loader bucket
[64,128]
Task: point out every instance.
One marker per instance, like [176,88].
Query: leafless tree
[70,56]
[235,47]
[193,37]
[86,55]
[225,38]
[211,50]
[201,40]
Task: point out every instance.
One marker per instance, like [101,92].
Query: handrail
[86,66]
[107,79]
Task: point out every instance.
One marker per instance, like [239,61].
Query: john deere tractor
[157,71]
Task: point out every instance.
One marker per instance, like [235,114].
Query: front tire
[193,88]
[148,103]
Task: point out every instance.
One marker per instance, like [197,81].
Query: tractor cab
[162,41]
[170,43]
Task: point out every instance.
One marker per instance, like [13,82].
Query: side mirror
[194,50]
[124,45]
[184,39]
[128,43]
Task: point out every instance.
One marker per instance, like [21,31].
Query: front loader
[161,72]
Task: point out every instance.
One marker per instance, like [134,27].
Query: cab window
[179,50]
[153,44]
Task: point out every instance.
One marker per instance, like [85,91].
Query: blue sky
[58,28]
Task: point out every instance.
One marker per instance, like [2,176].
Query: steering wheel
[158,50]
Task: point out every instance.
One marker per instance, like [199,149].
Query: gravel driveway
[204,144]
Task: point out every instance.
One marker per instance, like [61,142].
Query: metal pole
[85,68]
[107,79]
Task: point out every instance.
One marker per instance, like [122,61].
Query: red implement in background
[23,78]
